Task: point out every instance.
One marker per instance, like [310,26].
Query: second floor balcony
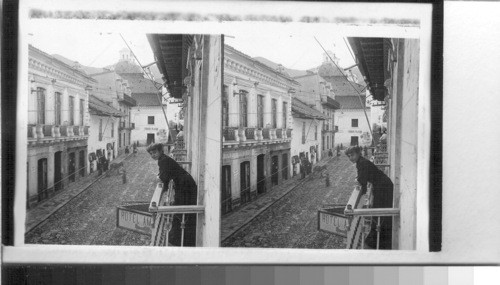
[244,136]
[38,133]
[126,126]
[126,99]
[329,102]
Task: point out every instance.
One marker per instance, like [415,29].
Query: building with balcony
[391,69]
[257,128]
[306,142]
[104,134]
[146,122]
[191,66]
[350,120]
[58,125]
[318,94]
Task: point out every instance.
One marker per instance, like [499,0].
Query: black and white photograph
[121,136]
[315,136]
[226,132]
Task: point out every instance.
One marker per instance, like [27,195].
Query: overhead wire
[150,78]
[359,93]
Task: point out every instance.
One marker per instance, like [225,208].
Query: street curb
[310,177]
[27,231]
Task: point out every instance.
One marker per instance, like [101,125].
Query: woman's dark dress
[382,192]
[185,194]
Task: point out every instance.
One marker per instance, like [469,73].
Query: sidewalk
[234,221]
[44,209]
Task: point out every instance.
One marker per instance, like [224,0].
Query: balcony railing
[124,98]
[330,102]
[53,132]
[163,215]
[230,133]
[243,135]
[279,133]
[266,133]
[360,215]
[250,133]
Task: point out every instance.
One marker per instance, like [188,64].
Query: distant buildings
[316,92]
[58,125]
[353,127]
[306,139]
[104,124]
[257,128]
[149,124]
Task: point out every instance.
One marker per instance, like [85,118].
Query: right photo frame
[322,142]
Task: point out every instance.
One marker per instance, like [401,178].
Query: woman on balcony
[382,189]
[185,194]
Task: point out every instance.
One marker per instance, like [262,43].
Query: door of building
[42,179]
[150,139]
[245,182]
[284,160]
[226,205]
[354,141]
[58,171]
[261,176]
[71,167]
[81,163]
[274,170]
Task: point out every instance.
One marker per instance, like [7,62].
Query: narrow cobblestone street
[292,222]
[90,218]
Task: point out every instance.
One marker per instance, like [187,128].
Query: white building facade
[58,125]
[307,134]
[104,135]
[257,129]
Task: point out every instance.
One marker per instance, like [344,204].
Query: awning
[372,59]
[171,52]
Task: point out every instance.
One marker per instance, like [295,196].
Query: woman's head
[353,152]
[155,150]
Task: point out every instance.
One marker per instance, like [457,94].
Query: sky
[97,49]
[292,51]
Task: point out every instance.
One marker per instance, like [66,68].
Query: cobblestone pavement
[90,218]
[292,222]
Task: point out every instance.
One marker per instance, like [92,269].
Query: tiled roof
[98,107]
[302,110]
[139,84]
[351,102]
[329,69]
[343,87]
[127,67]
[146,99]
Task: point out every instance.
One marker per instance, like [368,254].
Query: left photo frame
[123,143]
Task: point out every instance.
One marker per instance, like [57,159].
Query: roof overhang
[171,51]
[371,54]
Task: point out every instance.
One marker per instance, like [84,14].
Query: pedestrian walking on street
[185,194]
[124,174]
[135,149]
[382,192]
